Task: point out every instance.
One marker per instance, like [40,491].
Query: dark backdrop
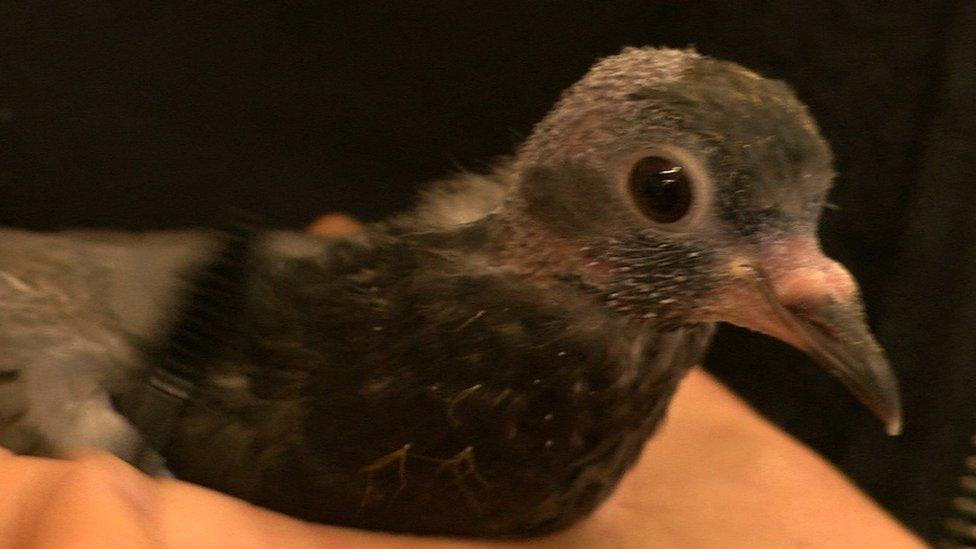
[137,116]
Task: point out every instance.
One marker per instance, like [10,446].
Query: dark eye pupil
[661,189]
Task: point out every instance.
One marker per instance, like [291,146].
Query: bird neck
[522,244]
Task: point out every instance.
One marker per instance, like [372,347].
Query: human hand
[717,475]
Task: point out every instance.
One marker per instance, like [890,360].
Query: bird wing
[73,307]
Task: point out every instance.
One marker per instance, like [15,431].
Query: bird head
[681,189]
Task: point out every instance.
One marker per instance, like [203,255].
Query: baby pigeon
[489,364]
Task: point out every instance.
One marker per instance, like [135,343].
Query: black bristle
[961,528]
[205,324]
[210,307]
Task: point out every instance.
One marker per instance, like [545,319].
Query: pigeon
[487,364]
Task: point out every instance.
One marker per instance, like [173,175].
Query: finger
[55,503]
[25,484]
[100,501]
[335,224]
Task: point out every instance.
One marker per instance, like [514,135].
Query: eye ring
[662,189]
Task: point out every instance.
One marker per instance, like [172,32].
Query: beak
[812,303]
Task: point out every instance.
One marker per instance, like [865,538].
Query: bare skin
[716,475]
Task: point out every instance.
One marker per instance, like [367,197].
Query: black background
[141,116]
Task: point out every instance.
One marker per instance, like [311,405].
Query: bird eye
[661,189]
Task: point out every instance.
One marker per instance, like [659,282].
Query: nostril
[799,271]
[829,281]
[805,314]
